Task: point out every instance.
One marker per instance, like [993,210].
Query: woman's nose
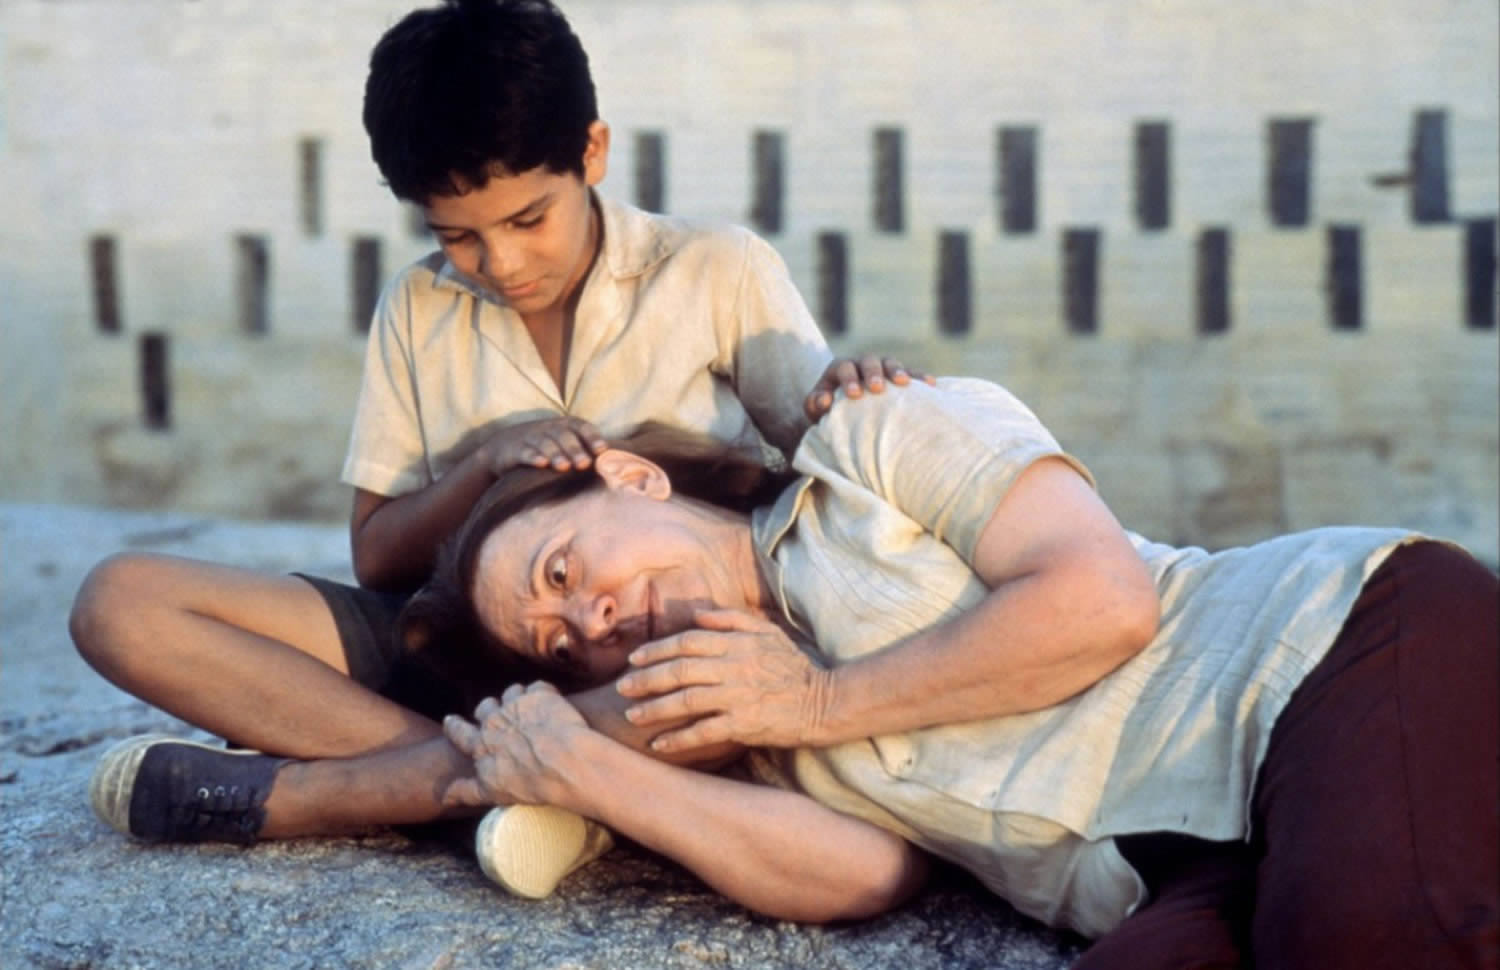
[594,616]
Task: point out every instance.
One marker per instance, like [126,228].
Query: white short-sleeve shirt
[695,326]
[875,544]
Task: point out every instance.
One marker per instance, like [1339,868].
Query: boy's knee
[109,593]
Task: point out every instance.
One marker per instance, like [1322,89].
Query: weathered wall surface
[1240,257]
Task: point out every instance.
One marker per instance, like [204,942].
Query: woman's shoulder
[953,409]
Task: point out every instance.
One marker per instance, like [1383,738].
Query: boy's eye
[531,223]
[454,240]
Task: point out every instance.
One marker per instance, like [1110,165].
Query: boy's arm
[395,539]
[783,372]
[772,345]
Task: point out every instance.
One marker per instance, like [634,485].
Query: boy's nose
[499,262]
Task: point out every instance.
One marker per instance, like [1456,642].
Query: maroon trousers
[1376,813]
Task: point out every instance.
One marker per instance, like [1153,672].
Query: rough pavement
[74,894]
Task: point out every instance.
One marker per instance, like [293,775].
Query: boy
[548,317]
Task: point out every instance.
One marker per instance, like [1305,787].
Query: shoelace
[222,810]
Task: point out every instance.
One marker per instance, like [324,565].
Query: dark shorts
[1375,836]
[366,623]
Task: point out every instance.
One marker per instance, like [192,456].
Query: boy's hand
[869,371]
[566,444]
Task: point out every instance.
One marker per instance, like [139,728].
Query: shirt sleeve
[386,454]
[944,456]
[777,352]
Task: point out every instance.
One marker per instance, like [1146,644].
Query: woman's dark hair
[439,628]
[475,88]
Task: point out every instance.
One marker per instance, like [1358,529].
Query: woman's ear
[629,472]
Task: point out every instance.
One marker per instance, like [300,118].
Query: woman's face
[578,584]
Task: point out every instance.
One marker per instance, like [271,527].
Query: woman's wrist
[585,770]
[818,710]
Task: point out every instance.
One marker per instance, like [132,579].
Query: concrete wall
[1352,377]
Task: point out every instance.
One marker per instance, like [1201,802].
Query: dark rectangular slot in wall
[104,274]
[1345,285]
[364,278]
[768,162]
[1016,182]
[1153,160]
[954,299]
[890,203]
[156,382]
[651,171]
[310,180]
[1289,172]
[1429,167]
[833,282]
[1479,273]
[253,283]
[1081,280]
[1213,281]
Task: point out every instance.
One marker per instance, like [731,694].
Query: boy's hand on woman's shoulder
[562,443]
[855,375]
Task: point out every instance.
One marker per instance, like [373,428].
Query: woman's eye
[557,571]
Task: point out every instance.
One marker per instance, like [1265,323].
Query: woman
[1284,753]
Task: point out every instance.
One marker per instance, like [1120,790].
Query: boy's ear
[628,472]
[596,153]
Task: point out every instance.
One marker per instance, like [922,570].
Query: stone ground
[73,894]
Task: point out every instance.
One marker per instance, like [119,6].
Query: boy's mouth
[520,290]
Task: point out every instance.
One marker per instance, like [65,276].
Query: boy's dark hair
[474,88]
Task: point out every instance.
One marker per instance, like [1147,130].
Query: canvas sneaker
[529,849]
[165,789]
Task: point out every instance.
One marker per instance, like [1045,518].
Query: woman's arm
[777,852]
[1070,601]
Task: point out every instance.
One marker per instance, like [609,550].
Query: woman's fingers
[699,734]
[668,676]
[684,703]
[726,620]
[465,791]
[465,736]
[692,643]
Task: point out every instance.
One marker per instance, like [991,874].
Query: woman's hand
[855,376]
[520,746]
[739,675]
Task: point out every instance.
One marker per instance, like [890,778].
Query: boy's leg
[257,659]
[1376,808]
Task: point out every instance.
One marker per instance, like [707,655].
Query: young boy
[550,319]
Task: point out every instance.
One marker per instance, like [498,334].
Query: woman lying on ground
[939,639]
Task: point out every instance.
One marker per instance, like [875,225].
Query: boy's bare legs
[256,658]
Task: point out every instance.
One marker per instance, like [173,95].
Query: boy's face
[527,238]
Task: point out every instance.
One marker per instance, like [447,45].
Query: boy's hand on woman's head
[561,443]
[870,371]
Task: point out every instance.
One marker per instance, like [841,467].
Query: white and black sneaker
[164,789]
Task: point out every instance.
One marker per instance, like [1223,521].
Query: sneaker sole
[529,849]
[113,782]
